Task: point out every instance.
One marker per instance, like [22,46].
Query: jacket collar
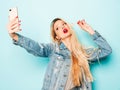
[62,46]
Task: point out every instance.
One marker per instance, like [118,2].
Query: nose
[63,26]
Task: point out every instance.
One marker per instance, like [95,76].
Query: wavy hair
[78,56]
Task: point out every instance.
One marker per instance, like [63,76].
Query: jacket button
[62,85]
[65,75]
[67,65]
[58,57]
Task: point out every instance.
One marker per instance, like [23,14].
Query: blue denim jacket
[59,65]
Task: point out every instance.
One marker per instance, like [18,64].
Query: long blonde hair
[78,56]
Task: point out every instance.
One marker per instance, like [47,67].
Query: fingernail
[82,23]
[78,22]
[16,16]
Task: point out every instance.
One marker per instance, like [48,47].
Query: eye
[56,28]
[64,23]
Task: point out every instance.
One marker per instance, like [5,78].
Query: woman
[68,68]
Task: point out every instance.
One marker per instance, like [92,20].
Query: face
[61,29]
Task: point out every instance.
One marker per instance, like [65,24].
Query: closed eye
[64,23]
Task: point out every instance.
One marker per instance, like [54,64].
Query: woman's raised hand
[86,27]
[13,27]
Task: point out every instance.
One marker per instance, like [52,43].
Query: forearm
[33,47]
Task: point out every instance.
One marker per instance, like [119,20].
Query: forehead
[58,22]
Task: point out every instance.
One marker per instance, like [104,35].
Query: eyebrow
[62,22]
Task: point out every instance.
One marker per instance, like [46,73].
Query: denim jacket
[59,65]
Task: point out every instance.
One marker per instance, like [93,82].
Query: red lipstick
[65,30]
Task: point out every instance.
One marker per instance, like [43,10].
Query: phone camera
[10,10]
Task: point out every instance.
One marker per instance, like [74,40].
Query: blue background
[22,71]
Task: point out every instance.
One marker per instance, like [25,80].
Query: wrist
[91,32]
[14,36]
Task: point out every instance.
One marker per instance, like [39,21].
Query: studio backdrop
[20,70]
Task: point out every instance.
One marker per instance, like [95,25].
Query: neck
[67,42]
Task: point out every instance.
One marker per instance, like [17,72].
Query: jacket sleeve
[42,50]
[102,50]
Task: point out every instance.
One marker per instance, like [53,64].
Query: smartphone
[13,13]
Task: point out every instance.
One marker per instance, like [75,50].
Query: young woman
[68,68]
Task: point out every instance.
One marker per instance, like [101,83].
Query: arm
[42,50]
[101,51]
[31,46]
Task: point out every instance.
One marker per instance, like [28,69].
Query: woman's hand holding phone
[14,23]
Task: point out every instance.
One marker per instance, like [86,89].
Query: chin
[67,35]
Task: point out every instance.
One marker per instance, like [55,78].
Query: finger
[15,26]
[15,20]
[19,21]
[81,23]
[84,22]
[15,30]
[78,22]
[12,26]
[15,23]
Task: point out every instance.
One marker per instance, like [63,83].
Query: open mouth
[65,30]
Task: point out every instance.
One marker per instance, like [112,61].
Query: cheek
[57,33]
[60,33]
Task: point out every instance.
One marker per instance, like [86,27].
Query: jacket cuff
[96,35]
[19,39]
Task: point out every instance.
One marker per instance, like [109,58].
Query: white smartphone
[13,13]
